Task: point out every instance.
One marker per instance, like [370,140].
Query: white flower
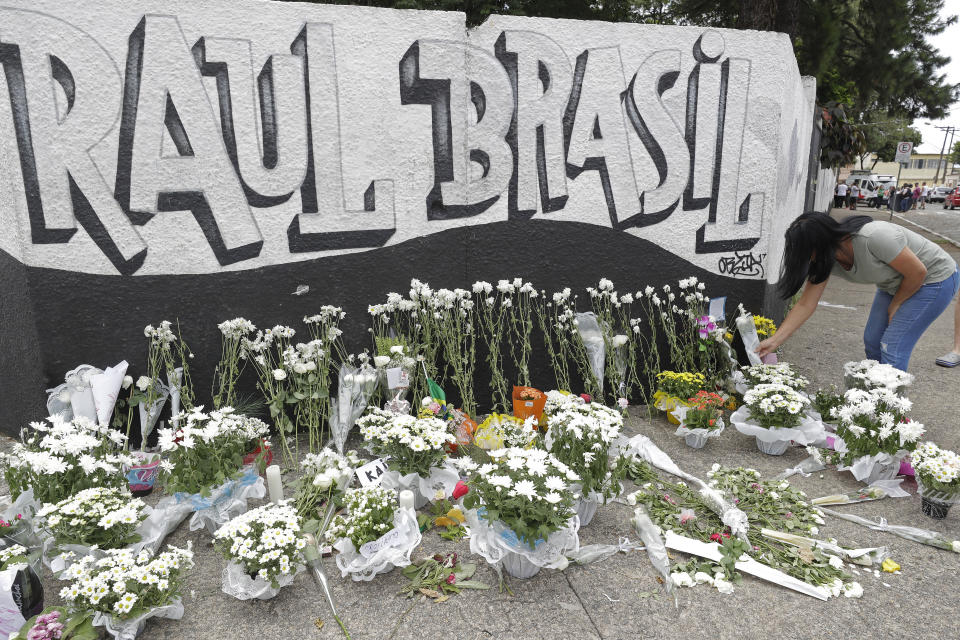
[701,577]
[619,340]
[681,579]
[852,590]
[381,361]
[279,374]
[525,488]
[143,383]
[553,497]
[835,562]
[955,545]
[127,381]
[723,586]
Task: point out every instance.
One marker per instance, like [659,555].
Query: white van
[873,186]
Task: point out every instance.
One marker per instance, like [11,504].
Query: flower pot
[251,457]
[695,440]
[517,566]
[142,476]
[934,508]
[586,509]
[776,448]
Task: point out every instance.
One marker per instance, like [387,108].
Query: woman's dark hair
[810,245]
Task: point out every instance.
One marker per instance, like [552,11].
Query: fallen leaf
[660,579]
[456,514]
[441,599]
[430,593]
[318,623]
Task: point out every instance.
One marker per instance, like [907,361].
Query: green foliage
[76,627]
[881,135]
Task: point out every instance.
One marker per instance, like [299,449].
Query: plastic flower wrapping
[938,469]
[57,458]
[265,541]
[499,430]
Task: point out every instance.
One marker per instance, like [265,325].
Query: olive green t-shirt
[878,243]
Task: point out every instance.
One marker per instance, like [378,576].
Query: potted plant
[873,433]
[263,548]
[415,447]
[111,588]
[521,511]
[581,437]
[938,478]
[374,535]
[673,388]
[773,413]
[701,419]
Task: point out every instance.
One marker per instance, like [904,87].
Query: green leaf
[472,584]
[311,526]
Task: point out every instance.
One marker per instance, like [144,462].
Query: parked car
[952,199]
[938,194]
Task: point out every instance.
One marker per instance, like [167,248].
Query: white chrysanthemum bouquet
[414,445]
[105,517]
[870,374]
[775,405]
[529,490]
[782,374]
[264,542]
[125,585]
[205,450]
[938,469]
[874,422]
[580,436]
[559,400]
[324,475]
[369,515]
[58,458]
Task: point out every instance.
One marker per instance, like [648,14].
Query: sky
[948,43]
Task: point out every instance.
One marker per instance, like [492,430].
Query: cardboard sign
[369,474]
[397,378]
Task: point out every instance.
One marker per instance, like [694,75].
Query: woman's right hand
[767,346]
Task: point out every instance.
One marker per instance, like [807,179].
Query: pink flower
[687,515]
[460,490]
[451,579]
[667,497]
[623,403]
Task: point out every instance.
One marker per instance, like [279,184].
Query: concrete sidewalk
[611,599]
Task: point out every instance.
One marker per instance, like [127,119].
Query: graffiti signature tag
[742,264]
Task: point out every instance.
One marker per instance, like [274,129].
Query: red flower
[460,490]
[716,537]
[586,397]
[451,579]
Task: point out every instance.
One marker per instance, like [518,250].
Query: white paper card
[369,474]
[717,308]
[397,378]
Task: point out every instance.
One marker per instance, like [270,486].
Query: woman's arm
[914,273]
[804,308]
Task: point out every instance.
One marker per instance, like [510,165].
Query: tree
[881,135]
[954,157]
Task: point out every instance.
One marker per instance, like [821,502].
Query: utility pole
[947,131]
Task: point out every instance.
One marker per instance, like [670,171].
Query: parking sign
[904,149]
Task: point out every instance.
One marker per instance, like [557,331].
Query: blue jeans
[894,342]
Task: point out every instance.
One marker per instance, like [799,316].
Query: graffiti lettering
[240,137]
[741,264]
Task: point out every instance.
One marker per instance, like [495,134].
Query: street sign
[904,149]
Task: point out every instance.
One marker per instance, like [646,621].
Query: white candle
[274,484]
[406,499]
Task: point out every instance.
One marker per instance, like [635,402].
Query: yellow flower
[890,566]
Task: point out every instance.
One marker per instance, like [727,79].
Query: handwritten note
[389,539]
[397,378]
[369,474]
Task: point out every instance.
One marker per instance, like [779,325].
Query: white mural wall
[182,137]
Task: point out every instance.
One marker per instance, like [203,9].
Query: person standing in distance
[916,279]
[841,198]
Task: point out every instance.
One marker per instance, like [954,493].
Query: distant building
[921,168]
